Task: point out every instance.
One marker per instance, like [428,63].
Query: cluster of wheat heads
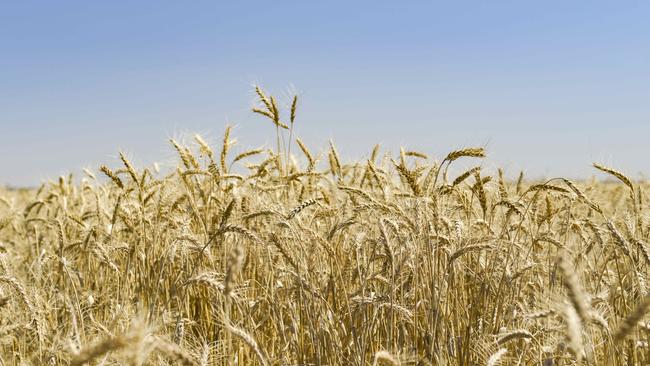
[296,261]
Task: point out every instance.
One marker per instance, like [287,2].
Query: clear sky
[546,86]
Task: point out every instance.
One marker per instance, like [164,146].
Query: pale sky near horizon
[548,87]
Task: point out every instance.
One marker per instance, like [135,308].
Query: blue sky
[549,87]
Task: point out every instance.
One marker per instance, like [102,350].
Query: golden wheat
[322,262]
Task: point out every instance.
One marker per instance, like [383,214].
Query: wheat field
[283,256]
